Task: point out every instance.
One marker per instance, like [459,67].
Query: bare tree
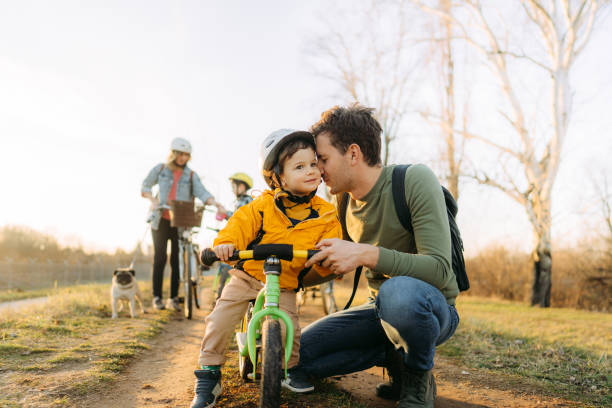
[563,27]
[372,59]
[453,146]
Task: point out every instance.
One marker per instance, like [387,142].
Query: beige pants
[228,312]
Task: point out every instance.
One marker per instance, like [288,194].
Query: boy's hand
[224,251]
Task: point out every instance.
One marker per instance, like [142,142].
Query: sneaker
[296,381]
[158,304]
[173,303]
[418,389]
[207,388]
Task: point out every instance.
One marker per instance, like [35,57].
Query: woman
[176,181]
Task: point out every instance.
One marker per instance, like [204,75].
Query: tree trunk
[542,273]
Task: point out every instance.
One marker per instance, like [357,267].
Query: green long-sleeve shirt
[426,255]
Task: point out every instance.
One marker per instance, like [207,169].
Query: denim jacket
[163,176]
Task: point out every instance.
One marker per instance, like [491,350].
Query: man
[412,285]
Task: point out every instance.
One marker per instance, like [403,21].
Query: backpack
[403,213]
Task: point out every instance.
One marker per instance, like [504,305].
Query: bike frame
[267,305]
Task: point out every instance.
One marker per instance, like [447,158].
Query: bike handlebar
[261,252]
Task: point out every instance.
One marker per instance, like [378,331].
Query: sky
[91,94]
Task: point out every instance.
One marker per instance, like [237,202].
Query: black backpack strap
[355,284]
[398,186]
[342,206]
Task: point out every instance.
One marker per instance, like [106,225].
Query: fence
[40,275]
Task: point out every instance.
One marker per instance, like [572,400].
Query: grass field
[564,352]
[52,354]
[67,347]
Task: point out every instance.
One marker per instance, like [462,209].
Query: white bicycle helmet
[271,147]
[180,145]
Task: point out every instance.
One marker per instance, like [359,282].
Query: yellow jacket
[263,222]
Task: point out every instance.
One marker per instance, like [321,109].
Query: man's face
[333,164]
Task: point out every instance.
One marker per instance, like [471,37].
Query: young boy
[288,213]
[241,183]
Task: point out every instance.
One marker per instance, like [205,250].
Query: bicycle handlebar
[261,252]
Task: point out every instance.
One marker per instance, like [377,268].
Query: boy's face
[300,174]
[238,188]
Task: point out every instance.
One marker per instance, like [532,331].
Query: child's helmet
[180,145]
[243,177]
[272,146]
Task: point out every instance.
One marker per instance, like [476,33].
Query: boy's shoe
[173,303]
[296,381]
[158,304]
[418,389]
[207,388]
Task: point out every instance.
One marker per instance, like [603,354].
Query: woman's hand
[221,212]
[224,251]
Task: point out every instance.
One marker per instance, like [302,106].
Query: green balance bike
[260,331]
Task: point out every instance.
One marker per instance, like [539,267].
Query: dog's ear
[116,272]
[133,272]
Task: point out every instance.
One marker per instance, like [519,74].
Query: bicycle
[325,291]
[185,217]
[264,339]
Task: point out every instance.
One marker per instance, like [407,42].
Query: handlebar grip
[209,257]
[313,252]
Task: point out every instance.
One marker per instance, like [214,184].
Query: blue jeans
[408,313]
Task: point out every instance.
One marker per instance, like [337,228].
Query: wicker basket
[182,214]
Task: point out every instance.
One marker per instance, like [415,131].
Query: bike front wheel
[272,364]
[187,285]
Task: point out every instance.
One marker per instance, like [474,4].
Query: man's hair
[352,124]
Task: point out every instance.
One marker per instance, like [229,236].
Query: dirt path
[163,377]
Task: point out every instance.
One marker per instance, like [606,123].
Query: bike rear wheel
[245,365]
[328,299]
[272,364]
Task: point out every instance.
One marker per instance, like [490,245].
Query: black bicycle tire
[245,365]
[272,365]
[196,299]
[188,287]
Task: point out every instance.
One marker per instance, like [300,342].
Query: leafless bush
[582,275]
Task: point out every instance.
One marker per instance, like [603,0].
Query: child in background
[288,213]
[241,183]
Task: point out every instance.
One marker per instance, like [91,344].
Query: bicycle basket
[183,214]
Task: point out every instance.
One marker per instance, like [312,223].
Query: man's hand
[224,252]
[342,257]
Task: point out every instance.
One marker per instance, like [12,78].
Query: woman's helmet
[272,146]
[180,145]
[243,177]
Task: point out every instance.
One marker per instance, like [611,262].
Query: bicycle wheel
[329,302]
[223,278]
[245,365]
[187,286]
[272,365]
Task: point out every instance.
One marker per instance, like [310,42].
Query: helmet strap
[300,199]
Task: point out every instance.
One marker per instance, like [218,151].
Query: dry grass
[67,347]
[562,352]
[581,277]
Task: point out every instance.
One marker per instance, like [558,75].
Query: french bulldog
[125,287]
